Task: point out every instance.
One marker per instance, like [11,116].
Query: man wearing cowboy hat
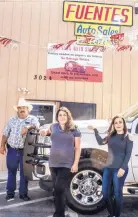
[14,136]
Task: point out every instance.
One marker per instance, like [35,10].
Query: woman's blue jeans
[112,189]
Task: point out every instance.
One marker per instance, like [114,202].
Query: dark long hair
[112,131]
[69,126]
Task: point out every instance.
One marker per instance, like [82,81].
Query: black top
[119,149]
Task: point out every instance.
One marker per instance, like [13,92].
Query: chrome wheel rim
[86,187]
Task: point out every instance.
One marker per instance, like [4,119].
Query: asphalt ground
[41,205]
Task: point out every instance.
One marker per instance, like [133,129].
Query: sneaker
[9,197]
[25,197]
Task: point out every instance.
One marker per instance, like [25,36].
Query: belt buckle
[16,149]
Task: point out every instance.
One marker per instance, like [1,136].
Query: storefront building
[25,61]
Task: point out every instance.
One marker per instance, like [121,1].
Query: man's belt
[17,149]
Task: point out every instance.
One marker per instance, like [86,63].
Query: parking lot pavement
[42,206]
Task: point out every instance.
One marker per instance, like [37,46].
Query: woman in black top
[119,153]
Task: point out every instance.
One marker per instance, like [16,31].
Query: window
[81,111]
[44,112]
[136,131]
[136,8]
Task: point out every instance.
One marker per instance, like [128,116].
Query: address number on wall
[42,77]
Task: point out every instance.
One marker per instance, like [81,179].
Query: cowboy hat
[22,102]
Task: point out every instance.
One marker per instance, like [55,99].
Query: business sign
[102,33]
[94,29]
[90,41]
[77,63]
[107,14]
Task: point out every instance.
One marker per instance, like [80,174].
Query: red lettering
[107,13]
[88,12]
[114,14]
[80,12]
[89,39]
[94,49]
[102,49]
[98,12]
[125,10]
[69,10]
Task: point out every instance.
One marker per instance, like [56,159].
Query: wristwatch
[27,127]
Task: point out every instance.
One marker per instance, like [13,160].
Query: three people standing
[65,154]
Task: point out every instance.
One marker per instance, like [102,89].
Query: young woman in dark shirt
[116,170]
[64,156]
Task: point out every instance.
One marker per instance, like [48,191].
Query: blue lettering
[100,29]
[89,29]
[116,32]
[112,32]
[79,29]
[93,31]
[85,30]
[105,32]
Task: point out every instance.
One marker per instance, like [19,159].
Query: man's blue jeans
[112,189]
[14,160]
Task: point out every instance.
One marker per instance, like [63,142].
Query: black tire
[78,207]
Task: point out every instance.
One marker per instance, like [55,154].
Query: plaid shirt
[13,130]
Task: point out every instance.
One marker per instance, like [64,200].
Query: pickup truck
[84,193]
